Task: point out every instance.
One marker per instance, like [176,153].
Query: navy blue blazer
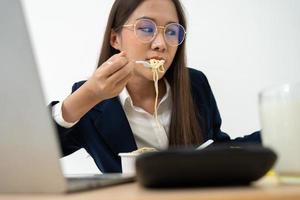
[105,131]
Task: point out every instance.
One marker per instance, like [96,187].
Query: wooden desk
[262,190]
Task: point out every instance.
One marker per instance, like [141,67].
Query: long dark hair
[185,129]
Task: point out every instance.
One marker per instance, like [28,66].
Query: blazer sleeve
[69,138]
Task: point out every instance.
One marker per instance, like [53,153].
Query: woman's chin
[147,74]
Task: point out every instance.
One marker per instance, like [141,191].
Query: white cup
[280,121]
[128,162]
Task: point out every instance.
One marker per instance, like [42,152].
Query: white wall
[241,45]
[244,46]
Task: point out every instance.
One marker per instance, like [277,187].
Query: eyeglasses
[146,30]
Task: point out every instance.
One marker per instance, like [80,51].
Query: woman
[115,110]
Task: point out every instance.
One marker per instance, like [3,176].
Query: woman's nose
[159,43]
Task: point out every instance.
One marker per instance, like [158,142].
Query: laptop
[29,146]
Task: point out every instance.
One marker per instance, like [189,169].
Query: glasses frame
[164,28]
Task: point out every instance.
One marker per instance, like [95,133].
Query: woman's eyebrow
[145,17]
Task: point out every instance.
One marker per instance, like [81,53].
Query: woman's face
[160,12]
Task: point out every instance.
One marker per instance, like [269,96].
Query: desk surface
[262,190]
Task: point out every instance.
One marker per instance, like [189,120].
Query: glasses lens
[145,30]
[174,34]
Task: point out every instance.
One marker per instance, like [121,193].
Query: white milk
[280,120]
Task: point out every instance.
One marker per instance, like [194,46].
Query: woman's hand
[107,82]
[111,77]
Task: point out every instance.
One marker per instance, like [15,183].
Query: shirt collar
[124,95]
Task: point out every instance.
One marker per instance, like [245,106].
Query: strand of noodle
[157,66]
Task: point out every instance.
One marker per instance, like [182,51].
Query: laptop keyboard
[80,182]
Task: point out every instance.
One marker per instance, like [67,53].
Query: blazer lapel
[112,124]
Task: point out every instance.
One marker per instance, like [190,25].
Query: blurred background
[242,46]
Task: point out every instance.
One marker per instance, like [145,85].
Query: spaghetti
[157,67]
[144,150]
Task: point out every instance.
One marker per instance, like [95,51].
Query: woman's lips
[156,58]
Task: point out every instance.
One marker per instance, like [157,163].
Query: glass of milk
[280,122]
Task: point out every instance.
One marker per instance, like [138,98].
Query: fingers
[123,81]
[112,76]
[121,74]
[115,63]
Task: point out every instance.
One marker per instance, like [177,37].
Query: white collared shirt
[146,131]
